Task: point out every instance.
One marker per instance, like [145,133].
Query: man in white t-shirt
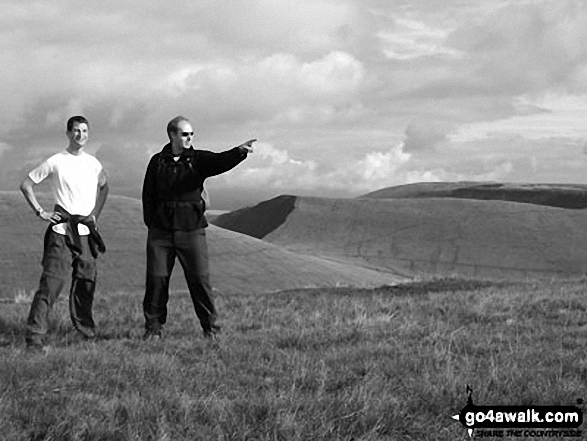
[79,187]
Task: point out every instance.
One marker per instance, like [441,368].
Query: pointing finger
[250,142]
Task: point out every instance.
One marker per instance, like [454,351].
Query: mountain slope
[436,236]
[238,263]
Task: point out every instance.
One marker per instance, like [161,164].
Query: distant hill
[422,236]
[238,263]
[554,195]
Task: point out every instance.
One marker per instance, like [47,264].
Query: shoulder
[57,157]
[155,158]
[55,161]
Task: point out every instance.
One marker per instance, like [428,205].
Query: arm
[27,189]
[102,194]
[217,163]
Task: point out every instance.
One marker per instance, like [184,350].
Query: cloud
[523,48]
[377,169]
[517,159]
[410,39]
[343,95]
[266,26]
[269,87]
[271,167]
[511,158]
[125,165]
[276,169]
[423,135]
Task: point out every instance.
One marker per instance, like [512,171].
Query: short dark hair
[172,125]
[76,119]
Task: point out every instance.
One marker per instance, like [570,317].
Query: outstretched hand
[248,145]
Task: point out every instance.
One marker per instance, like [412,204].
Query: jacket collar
[186,152]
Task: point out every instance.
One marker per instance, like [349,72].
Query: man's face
[184,135]
[79,134]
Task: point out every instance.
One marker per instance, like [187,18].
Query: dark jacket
[172,190]
[72,220]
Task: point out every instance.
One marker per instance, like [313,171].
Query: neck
[176,149]
[74,149]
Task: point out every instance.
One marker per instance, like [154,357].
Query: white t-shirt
[74,183]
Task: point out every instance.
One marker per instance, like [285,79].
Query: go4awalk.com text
[562,421]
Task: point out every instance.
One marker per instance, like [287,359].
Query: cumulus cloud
[326,85]
[268,87]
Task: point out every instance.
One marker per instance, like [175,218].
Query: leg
[160,261]
[55,263]
[83,285]
[192,251]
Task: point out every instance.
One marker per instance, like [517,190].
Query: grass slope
[238,263]
[332,364]
[436,236]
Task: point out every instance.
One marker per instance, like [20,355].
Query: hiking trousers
[191,249]
[60,259]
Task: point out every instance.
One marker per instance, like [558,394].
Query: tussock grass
[318,364]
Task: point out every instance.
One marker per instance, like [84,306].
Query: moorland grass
[319,364]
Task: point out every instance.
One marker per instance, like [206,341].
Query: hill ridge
[435,236]
[570,196]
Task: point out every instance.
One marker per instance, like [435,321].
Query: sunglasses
[186,134]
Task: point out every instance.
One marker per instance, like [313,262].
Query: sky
[344,96]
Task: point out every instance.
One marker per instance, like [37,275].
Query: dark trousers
[191,248]
[59,257]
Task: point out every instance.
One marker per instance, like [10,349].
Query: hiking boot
[152,334]
[34,344]
[87,333]
[209,335]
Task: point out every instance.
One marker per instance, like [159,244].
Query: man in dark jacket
[173,210]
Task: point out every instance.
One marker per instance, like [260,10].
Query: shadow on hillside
[551,195]
[449,284]
[573,199]
[440,285]
[274,212]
